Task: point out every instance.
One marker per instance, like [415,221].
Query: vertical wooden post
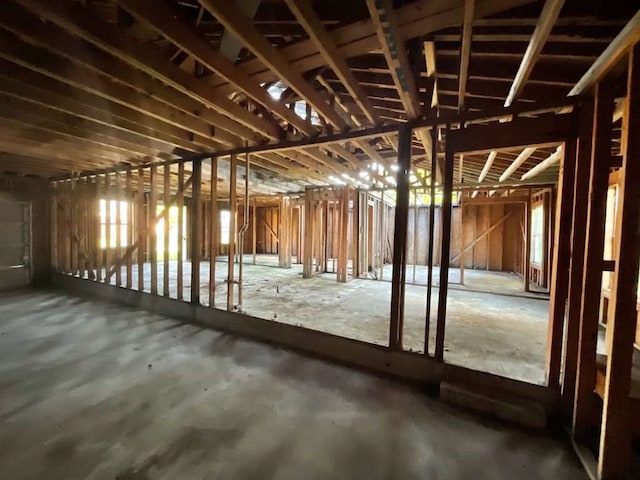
[213,242]
[195,231]
[415,233]
[383,234]
[54,228]
[181,233]
[232,231]
[96,212]
[560,264]
[254,231]
[284,229]
[527,243]
[445,249]
[615,438]
[461,259]
[578,233]
[432,211]
[107,220]
[140,228]
[153,238]
[585,406]
[398,280]
[166,200]
[129,226]
[307,221]
[118,249]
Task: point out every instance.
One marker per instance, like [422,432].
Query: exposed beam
[487,165]
[545,164]
[465,51]
[308,18]
[393,48]
[86,24]
[160,17]
[235,21]
[524,155]
[430,61]
[545,24]
[613,54]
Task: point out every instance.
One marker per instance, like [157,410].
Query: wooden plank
[324,43]
[98,226]
[465,51]
[615,439]
[543,130]
[613,54]
[481,237]
[196,226]
[398,278]
[546,21]
[430,243]
[166,200]
[527,243]
[254,227]
[445,249]
[107,219]
[560,264]
[235,21]
[585,407]
[129,224]
[578,233]
[232,233]
[140,227]
[213,242]
[153,238]
[520,159]
[181,233]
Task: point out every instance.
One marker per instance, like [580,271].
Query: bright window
[109,221]
[225,224]
[537,234]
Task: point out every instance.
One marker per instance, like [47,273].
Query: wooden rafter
[235,21]
[524,155]
[306,15]
[83,22]
[160,17]
[545,164]
[465,51]
[547,20]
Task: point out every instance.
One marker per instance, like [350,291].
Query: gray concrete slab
[96,391]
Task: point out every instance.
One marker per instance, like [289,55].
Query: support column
[585,407]
[578,233]
[213,231]
[560,264]
[195,231]
[615,438]
[232,231]
[445,250]
[527,243]
[398,280]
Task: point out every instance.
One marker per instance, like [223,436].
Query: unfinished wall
[38,193]
[491,233]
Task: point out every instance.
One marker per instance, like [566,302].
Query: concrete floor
[495,333]
[95,391]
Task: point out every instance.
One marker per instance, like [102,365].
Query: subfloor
[493,332]
[95,391]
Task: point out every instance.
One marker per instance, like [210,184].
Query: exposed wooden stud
[181,233]
[615,438]
[166,200]
[107,221]
[561,264]
[140,227]
[578,233]
[584,403]
[153,238]
[196,230]
[232,232]
[398,280]
[547,20]
[130,224]
[214,228]
[445,249]
[527,242]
